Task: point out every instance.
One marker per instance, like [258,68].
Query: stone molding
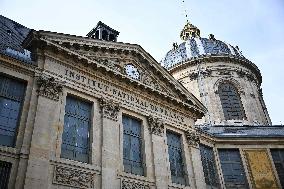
[156,126]
[72,177]
[231,80]
[49,87]
[128,184]
[192,138]
[110,109]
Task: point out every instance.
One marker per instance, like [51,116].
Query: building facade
[91,112]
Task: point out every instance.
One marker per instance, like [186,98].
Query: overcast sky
[256,26]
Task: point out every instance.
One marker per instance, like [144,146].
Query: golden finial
[188,31]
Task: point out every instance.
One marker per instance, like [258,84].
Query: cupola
[103,32]
[188,31]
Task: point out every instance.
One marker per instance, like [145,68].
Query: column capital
[49,87]
[110,109]
[156,126]
[193,138]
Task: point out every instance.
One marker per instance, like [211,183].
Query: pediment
[115,57]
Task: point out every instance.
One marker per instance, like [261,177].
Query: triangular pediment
[130,61]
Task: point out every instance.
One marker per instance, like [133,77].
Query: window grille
[231,102]
[278,159]
[5,168]
[176,158]
[132,146]
[232,169]
[11,98]
[75,138]
[209,167]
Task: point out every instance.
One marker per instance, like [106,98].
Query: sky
[256,26]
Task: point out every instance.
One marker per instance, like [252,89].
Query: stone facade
[94,71]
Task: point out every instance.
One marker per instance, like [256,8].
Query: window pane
[75,137]
[176,158]
[209,166]
[132,146]
[278,159]
[5,169]
[231,103]
[11,98]
[232,168]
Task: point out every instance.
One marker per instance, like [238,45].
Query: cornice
[217,58]
[59,44]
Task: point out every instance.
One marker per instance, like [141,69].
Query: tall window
[5,169]
[176,158]
[11,98]
[132,146]
[232,168]
[75,138]
[278,159]
[231,102]
[209,167]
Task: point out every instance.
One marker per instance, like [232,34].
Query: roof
[12,34]
[247,131]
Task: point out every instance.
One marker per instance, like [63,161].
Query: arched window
[231,102]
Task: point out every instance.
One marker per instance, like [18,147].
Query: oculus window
[231,102]
[11,98]
[75,137]
[176,158]
[132,146]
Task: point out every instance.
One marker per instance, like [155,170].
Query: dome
[194,46]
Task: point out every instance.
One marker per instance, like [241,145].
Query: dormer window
[103,32]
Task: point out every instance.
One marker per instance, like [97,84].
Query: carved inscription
[72,177]
[49,87]
[106,88]
[110,109]
[156,126]
[126,184]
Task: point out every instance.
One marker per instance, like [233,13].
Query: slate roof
[231,131]
[12,34]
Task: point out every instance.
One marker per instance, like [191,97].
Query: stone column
[47,111]
[156,128]
[110,144]
[193,141]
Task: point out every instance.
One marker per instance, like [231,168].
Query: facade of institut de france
[91,112]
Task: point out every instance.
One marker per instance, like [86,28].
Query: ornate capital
[156,126]
[110,109]
[49,87]
[127,184]
[192,138]
[72,177]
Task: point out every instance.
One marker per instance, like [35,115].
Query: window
[231,103]
[11,99]
[232,168]
[209,166]
[132,146]
[278,159]
[176,158]
[5,169]
[75,138]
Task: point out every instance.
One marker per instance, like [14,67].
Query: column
[110,144]
[47,110]
[156,128]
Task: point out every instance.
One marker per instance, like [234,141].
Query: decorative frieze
[156,126]
[192,138]
[72,177]
[127,184]
[49,87]
[110,109]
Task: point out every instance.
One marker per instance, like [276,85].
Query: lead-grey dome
[195,46]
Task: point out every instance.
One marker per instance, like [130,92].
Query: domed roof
[195,46]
